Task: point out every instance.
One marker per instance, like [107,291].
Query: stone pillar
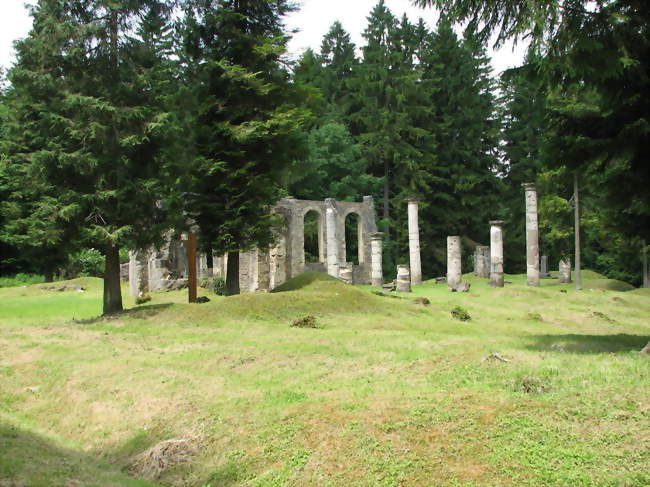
[138,273]
[532,235]
[278,259]
[543,270]
[482,261]
[377,272]
[414,242]
[565,270]
[332,240]
[263,270]
[202,265]
[245,272]
[496,253]
[403,282]
[454,263]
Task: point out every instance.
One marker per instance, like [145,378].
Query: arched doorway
[353,239]
[312,242]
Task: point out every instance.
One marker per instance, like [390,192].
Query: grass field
[385,392]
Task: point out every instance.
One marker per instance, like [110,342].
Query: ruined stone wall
[264,269]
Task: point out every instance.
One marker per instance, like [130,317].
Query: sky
[313,20]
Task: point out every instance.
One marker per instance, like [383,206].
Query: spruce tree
[86,129]
[390,105]
[244,119]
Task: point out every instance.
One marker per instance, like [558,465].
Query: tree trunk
[232,274]
[576,199]
[49,275]
[112,284]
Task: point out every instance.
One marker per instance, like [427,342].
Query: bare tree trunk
[232,274]
[191,267]
[576,199]
[112,284]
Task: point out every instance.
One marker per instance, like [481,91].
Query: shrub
[307,321]
[460,313]
[87,262]
[215,284]
[142,299]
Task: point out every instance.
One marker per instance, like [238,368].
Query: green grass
[386,392]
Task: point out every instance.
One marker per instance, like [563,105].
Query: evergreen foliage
[86,129]
[244,119]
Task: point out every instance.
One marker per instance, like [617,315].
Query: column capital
[496,223]
[528,186]
[377,236]
[413,200]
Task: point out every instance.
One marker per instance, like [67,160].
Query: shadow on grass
[30,459]
[139,312]
[588,343]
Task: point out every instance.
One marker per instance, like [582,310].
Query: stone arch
[353,238]
[313,236]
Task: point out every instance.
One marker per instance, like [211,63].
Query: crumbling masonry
[264,269]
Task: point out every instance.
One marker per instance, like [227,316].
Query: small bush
[532,385]
[215,284]
[142,299]
[87,262]
[307,321]
[460,313]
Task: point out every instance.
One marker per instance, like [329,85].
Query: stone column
[482,261]
[543,270]
[565,270]
[414,242]
[202,265]
[403,281]
[263,270]
[278,259]
[245,272]
[138,273]
[454,263]
[496,253]
[332,240]
[532,235]
[377,272]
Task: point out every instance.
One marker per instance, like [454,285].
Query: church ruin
[166,268]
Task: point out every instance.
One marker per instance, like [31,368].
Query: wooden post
[576,201]
[191,265]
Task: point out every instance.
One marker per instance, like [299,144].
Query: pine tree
[464,123]
[339,61]
[244,119]
[390,103]
[86,129]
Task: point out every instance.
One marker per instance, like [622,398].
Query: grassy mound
[303,280]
